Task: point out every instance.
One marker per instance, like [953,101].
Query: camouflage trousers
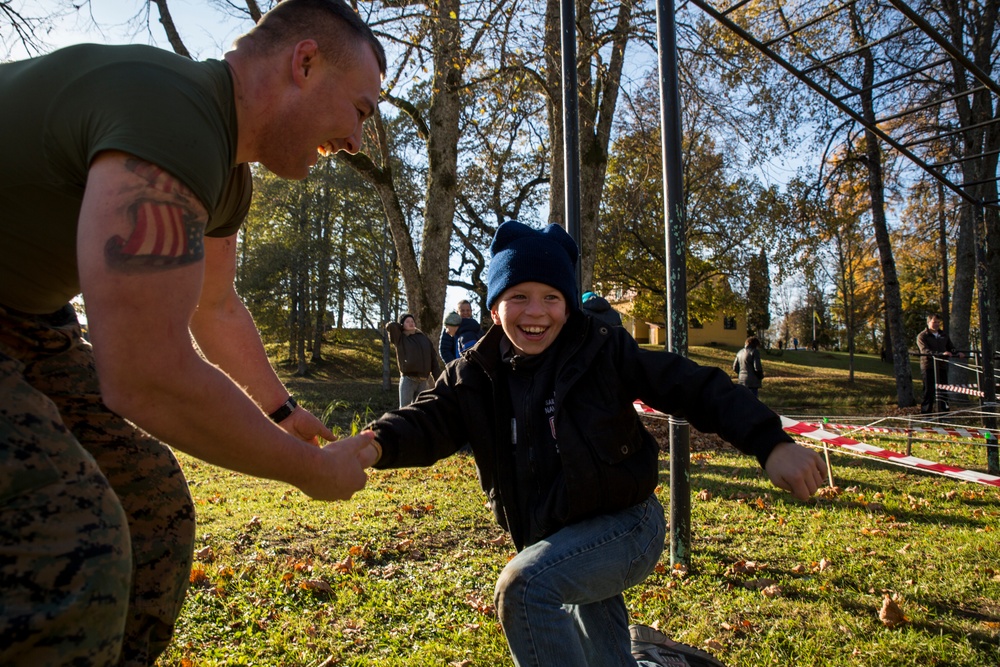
[96,521]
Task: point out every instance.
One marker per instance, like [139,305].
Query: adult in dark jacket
[418,363]
[598,307]
[935,349]
[546,401]
[747,366]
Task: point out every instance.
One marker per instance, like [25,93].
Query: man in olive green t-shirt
[124,175]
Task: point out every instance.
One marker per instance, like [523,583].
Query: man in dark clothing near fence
[935,349]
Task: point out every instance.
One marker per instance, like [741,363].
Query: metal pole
[987,384]
[571,125]
[676,310]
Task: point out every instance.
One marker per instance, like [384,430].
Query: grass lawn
[403,573]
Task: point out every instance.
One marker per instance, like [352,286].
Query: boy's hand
[339,472]
[795,468]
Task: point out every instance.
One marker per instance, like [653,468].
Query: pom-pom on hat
[522,254]
[452,320]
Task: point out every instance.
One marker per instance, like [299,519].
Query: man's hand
[305,426]
[341,470]
[795,468]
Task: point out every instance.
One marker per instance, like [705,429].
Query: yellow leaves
[891,614]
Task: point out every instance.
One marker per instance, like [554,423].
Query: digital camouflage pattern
[95,541]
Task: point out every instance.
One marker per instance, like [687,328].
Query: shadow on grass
[746,483]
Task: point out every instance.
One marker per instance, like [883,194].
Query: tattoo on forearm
[164,234]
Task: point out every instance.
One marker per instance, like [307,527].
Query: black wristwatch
[281,414]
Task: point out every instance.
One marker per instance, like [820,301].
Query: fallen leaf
[198,576]
[205,555]
[890,614]
[345,566]
[772,591]
[704,494]
[713,644]
[315,585]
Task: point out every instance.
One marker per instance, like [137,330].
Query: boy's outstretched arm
[795,468]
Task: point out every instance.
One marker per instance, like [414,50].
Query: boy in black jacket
[545,399]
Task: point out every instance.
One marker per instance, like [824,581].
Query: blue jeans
[560,600]
[409,387]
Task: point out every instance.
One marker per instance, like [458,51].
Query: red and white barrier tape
[956,432]
[967,389]
[810,431]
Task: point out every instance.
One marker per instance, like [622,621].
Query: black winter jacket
[609,460]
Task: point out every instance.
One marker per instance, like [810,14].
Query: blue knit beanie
[522,254]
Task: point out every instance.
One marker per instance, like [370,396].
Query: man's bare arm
[141,256]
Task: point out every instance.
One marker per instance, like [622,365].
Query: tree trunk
[426,297]
[876,190]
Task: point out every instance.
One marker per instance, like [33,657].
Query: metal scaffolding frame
[900,108]
[903,121]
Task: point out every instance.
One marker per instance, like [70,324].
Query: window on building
[729,322]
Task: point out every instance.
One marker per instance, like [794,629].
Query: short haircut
[933,315]
[752,342]
[328,22]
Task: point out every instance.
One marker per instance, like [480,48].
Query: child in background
[545,399]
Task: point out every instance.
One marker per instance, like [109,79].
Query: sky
[206,30]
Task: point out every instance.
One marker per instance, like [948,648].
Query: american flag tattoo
[164,234]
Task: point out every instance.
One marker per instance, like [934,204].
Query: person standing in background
[747,365]
[446,342]
[935,349]
[418,363]
[469,330]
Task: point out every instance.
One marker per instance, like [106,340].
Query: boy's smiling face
[532,315]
